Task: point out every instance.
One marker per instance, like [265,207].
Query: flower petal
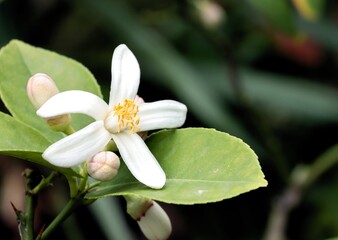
[78,147]
[74,101]
[125,75]
[139,160]
[161,114]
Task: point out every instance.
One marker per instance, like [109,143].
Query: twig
[301,179]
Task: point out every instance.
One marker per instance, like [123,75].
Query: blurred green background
[265,71]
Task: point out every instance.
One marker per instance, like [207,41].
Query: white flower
[119,120]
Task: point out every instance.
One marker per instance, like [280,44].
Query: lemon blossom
[119,120]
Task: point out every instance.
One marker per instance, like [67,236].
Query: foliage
[206,165]
[265,73]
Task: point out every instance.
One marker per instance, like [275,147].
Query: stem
[26,219]
[94,184]
[323,163]
[73,188]
[27,226]
[280,213]
[84,179]
[301,178]
[74,201]
[45,182]
[66,211]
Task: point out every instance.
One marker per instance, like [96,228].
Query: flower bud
[103,166]
[40,88]
[211,14]
[151,218]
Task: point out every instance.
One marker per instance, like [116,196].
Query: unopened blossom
[103,166]
[150,216]
[119,120]
[40,88]
[155,223]
[210,13]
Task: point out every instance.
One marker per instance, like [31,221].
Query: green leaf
[21,141]
[280,95]
[292,97]
[202,165]
[19,61]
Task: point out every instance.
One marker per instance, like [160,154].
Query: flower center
[127,115]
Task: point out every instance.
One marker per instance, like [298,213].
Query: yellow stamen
[127,115]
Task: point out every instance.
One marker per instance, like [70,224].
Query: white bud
[103,166]
[40,88]
[151,218]
[155,223]
[210,13]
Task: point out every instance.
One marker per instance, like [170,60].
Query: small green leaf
[19,61]
[202,165]
[21,141]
